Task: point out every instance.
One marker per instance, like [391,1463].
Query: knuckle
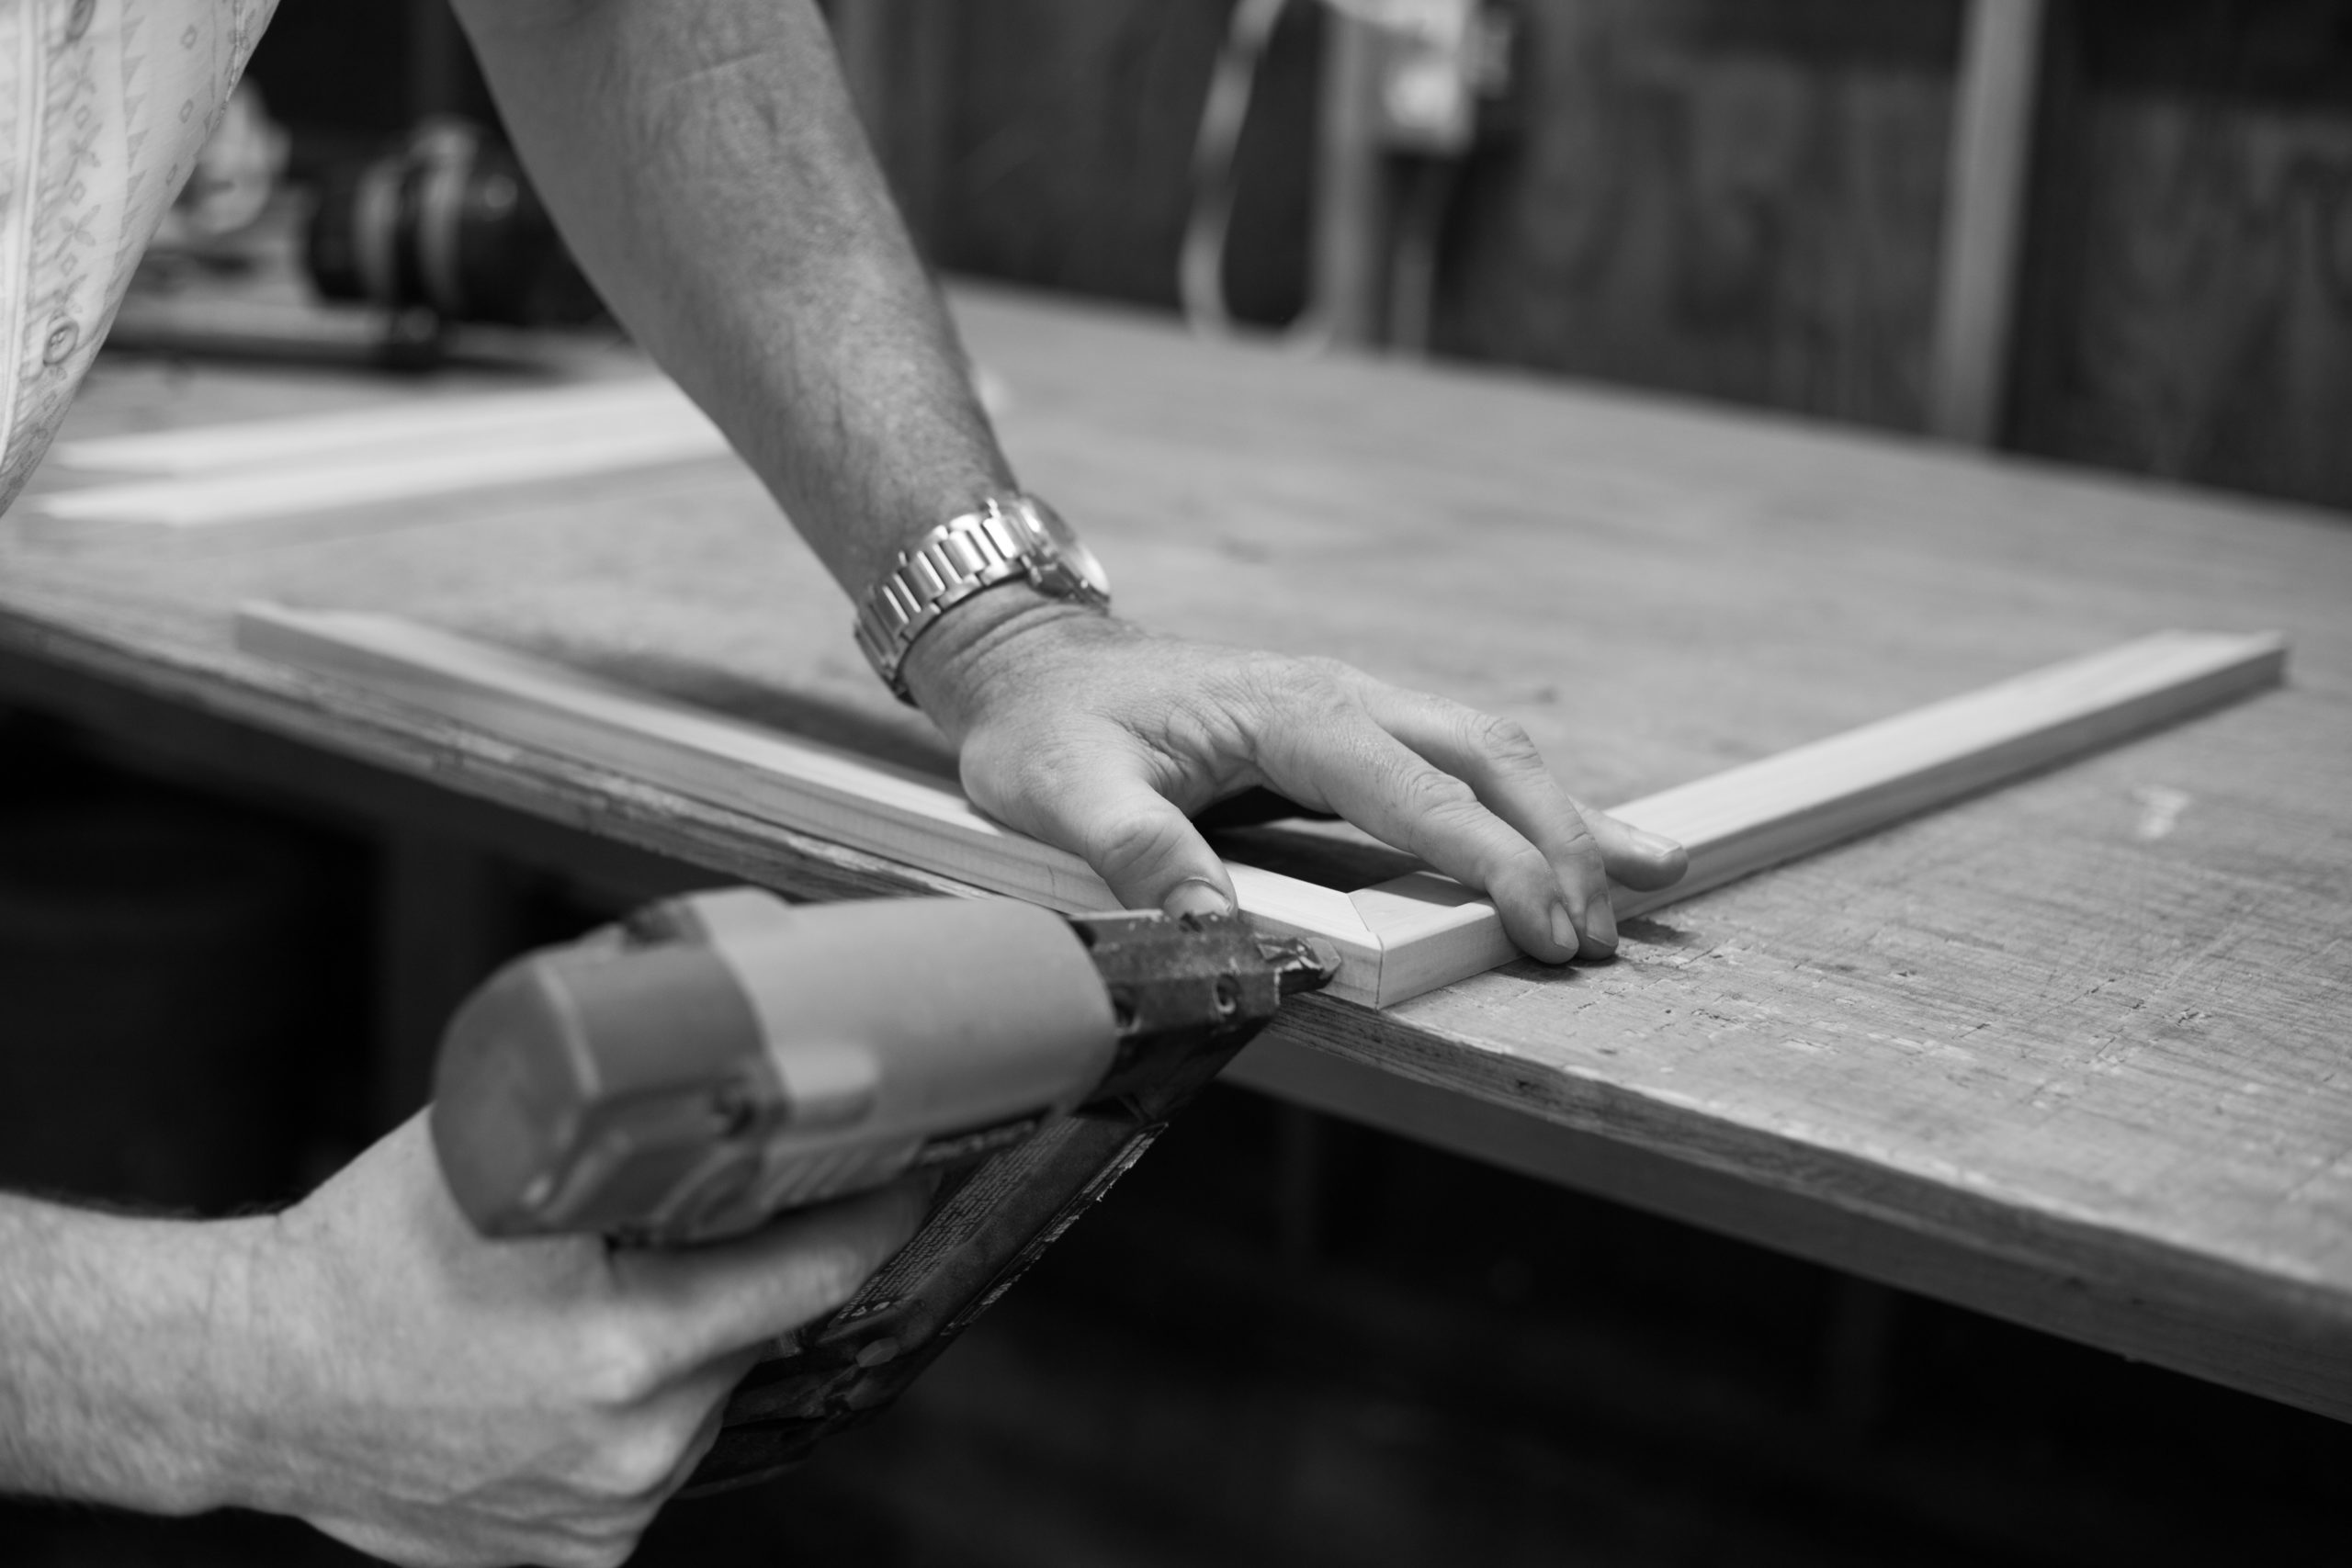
[1454,819]
[620,1370]
[1133,838]
[1575,850]
[1039,772]
[1584,873]
[1283,707]
[1503,740]
[1273,682]
[1577,843]
[1440,799]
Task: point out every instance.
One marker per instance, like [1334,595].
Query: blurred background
[2111,234]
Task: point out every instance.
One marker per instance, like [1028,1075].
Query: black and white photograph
[1168,783]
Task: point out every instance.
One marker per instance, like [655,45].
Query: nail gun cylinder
[724,1056]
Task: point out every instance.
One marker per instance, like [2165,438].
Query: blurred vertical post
[1989,165]
[1350,223]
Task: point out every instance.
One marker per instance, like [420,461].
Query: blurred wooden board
[1987,169]
[217,476]
[2070,1052]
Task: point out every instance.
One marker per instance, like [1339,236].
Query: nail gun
[716,1059]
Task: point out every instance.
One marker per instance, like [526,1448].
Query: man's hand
[1094,734]
[434,1398]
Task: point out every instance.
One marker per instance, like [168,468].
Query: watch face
[1066,544]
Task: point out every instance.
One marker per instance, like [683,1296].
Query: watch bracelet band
[974,551]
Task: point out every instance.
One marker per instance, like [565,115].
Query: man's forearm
[704,162]
[116,1335]
[710,173]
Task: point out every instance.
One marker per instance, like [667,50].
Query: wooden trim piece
[1396,940]
[1749,817]
[1986,180]
[1745,819]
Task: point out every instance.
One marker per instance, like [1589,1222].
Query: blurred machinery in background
[449,225]
[403,256]
[387,258]
[1416,87]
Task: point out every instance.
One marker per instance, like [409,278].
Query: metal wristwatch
[1006,537]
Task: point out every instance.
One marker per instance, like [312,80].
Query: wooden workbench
[2074,1052]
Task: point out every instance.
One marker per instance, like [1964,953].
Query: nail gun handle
[980,1239]
[1194,996]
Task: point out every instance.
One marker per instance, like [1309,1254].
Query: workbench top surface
[2075,1051]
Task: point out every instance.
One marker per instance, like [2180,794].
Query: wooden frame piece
[1397,940]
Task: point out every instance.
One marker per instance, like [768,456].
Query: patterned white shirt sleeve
[104,106]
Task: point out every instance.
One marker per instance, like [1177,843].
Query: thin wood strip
[1397,940]
[1745,819]
[1749,817]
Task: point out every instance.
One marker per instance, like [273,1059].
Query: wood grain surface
[2072,1052]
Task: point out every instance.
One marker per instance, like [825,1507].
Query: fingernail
[1564,929]
[1658,844]
[1601,923]
[1196,896]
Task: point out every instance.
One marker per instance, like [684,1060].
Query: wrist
[968,656]
[247,1411]
[1007,538]
[215,1350]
